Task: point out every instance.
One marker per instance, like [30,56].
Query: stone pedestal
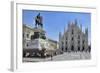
[38,33]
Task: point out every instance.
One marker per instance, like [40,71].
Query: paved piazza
[62,57]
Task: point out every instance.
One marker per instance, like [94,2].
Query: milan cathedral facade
[74,39]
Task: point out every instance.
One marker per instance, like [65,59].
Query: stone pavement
[61,57]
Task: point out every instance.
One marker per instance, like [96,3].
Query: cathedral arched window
[78,36]
[72,38]
[83,41]
[78,41]
[66,49]
[78,48]
[72,31]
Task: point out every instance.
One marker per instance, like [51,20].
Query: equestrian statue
[38,21]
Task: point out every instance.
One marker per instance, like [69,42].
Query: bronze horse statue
[38,20]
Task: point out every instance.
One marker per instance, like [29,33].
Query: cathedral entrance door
[72,48]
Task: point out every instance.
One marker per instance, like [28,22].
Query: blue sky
[54,22]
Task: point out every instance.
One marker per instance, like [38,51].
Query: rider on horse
[38,20]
